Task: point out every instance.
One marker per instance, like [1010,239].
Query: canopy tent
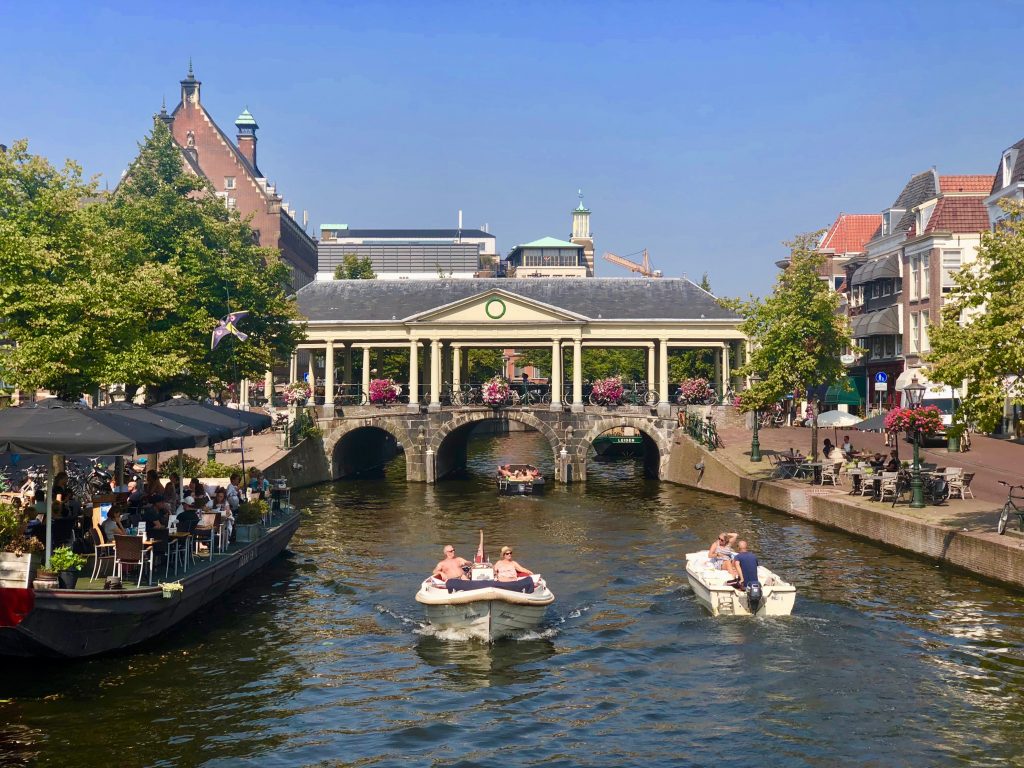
[201,433]
[875,423]
[237,423]
[845,393]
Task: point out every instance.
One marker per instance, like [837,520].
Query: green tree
[354,268]
[796,333]
[483,364]
[68,306]
[169,223]
[979,339]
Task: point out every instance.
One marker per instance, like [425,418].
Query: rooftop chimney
[246,137]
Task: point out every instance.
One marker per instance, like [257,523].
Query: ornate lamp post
[755,444]
[914,392]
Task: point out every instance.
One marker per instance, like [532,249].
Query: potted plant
[607,391]
[18,554]
[383,391]
[297,393]
[171,588]
[496,392]
[248,518]
[66,564]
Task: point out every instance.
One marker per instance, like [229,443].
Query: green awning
[839,394]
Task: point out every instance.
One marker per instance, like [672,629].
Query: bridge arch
[357,445]
[447,444]
[655,461]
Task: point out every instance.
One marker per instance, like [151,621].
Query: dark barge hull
[73,624]
[520,487]
[616,447]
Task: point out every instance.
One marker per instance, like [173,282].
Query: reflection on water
[326,659]
[469,664]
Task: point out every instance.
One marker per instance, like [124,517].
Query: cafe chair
[960,486]
[890,481]
[131,551]
[830,473]
[103,551]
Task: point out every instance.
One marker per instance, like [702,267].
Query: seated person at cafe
[827,449]
[188,518]
[112,525]
[847,447]
[877,462]
[893,464]
[153,517]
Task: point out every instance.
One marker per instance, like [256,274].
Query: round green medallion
[495,309]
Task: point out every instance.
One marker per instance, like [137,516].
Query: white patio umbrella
[837,419]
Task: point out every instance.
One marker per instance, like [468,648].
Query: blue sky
[705,132]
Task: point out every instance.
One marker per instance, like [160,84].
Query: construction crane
[643,268]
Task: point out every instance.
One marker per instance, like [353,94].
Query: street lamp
[755,444]
[914,392]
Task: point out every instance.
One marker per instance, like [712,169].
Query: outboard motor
[754,597]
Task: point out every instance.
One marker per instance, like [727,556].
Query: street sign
[881,377]
[881,386]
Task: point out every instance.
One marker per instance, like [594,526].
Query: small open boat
[481,607]
[776,597]
[519,480]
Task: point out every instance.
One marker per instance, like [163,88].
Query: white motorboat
[478,607]
[776,597]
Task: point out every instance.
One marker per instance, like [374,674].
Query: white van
[947,400]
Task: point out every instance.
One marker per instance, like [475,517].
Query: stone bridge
[435,442]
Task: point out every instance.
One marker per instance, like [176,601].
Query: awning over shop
[877,269]
[884,322]
[845,393]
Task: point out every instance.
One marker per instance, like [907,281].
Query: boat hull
[75,624]
[508,487]
[619,446]
[708,585]
[487,614]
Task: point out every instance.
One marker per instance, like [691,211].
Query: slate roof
[408,234]
[1018,169]
[959,214]
[980,184]
[920,188]
[595,298]
[850,231]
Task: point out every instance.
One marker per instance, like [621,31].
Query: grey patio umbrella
[874,424]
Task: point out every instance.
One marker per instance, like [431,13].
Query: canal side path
[960,532]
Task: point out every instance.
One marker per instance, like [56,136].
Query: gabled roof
[920,188]
[549,242]
[592,297]
[980,184]
[850,231]
[959,214]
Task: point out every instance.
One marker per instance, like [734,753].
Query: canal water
[325,660]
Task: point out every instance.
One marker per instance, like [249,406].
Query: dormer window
[1009,160]
[886,223]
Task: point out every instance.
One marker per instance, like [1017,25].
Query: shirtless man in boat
[451,566]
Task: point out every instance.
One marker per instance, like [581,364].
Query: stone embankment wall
[304,465]
[1000,558]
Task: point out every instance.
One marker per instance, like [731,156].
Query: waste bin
[953,444]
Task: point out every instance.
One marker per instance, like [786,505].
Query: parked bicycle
[639,394]
[467,394]
[530,396]
[349,394]
[1011,507]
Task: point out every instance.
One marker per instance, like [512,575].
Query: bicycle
[350,394]
[639,394]
[1011,506]
[535,396]
[467,394]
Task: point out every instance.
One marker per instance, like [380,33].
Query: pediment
[496,307]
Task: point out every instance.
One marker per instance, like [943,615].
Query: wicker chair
[960,486]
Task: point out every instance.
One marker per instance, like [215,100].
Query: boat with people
[770,596]
[519,480]
[483,607]
[75,623]
[620,442]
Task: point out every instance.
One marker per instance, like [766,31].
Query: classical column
[456,367]
[268,387]
[726,371]
[329,378]
[414,376]
[556,374]
[312,376]
[293,367]
[366,372]
[435,373]
[577,374]
[663,369]
[348,363]
[651,375]
[719,385]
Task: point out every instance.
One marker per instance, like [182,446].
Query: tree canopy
[354,268]
[796,333]
[979,339]
[129,289]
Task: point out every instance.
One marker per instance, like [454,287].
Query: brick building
[232,169]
